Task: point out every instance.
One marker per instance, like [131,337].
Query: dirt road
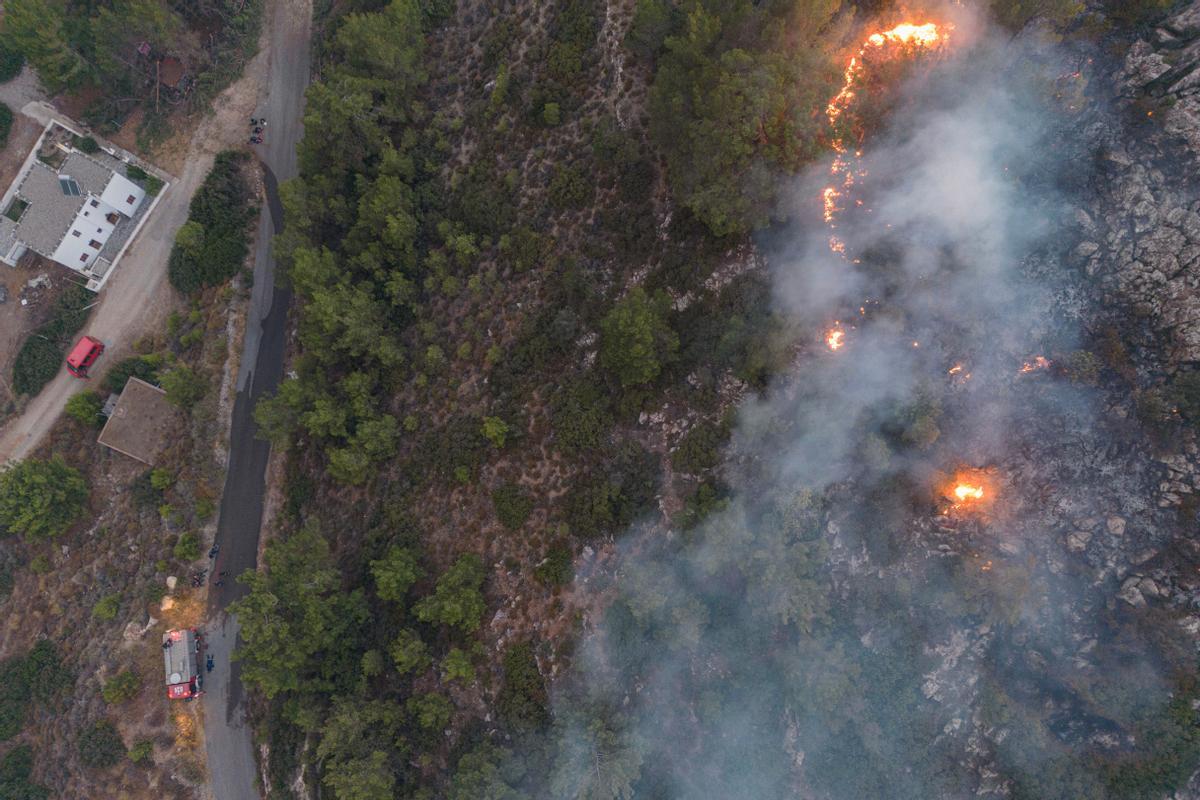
[138,295]
[227,737]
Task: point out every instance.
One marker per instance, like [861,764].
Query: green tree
[432,711]
[597,761]
[85,407]
[297,623]
[395,573]
[41,499]
[409,653]
[1016,15]
[479,776]
[457,666]
[16,772]
[360,744]
[739,97]
[457,600]
[106,607]
[38,30]
[636,339]
[183,385]
[495,430]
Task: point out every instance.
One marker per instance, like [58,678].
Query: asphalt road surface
[227,736]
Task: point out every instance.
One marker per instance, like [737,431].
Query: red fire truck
[181,656]
[83,355]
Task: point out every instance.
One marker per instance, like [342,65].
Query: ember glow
[968,490]
[1038,363]
[846,168]
[965,491]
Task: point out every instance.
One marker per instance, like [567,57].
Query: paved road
[226,734]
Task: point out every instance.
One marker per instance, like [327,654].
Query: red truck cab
[83,355]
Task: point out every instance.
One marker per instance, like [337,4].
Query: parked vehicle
[83,355]
[180,651]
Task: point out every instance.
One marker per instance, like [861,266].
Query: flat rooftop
[142,423]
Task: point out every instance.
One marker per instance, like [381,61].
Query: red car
[83,355]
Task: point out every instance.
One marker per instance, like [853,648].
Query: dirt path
[138,296]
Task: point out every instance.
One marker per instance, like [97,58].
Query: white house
[69,214]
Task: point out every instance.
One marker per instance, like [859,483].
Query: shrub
[6,122]
[85,408]
[187,548]
[395,573]
[1082,366]
[41,354]
[38,361]
[522,698]
[141,751]
[106,609]
[211,247]
[570,187]
[700,448]
[1185,394]
[580,416]
[183,385]
[11,62]
[145,494]
[143,367]
[556,569]
[495,430]
[432,711]
[86,144]
[161,479]
[151,183]
[100,745]
[513,506]
[40,499]
[38,675]
[123,686]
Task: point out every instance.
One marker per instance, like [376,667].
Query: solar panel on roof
[69,186]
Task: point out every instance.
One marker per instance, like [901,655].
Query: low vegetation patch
[212,245]
[41,356]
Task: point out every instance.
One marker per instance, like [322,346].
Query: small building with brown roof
[142,423]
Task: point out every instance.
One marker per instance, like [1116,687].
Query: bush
[143,367]
[211,247]
[570,187]
[106,609]
[100,745]
[123,686]
[38,361]
[636,339]
[187,548]
[513,506]
[141,751]
[457,666]
[85,408]
[86,144]
[40,499]
[556,569]
[6,122]
[701,448]
[580,416]
[151,183]
[15,772]
[11,62]
[522,698]
[143,491]
[183,385]
[603,503]
[38,675]
[41,355]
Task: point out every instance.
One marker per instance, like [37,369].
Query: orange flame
[927,36]
[835,338]
[965,491]
[1039,362]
